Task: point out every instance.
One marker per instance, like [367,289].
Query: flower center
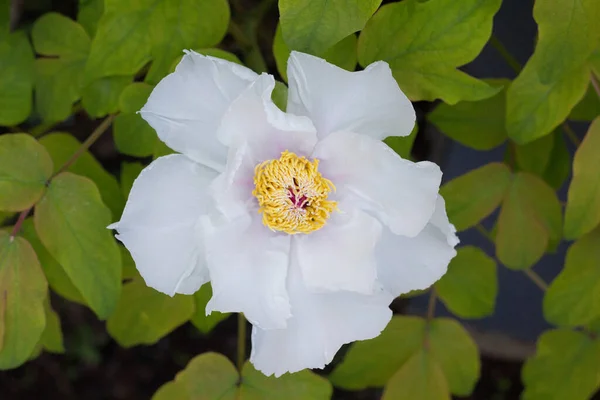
[292,194]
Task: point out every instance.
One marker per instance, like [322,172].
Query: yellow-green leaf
[16,78]
[52,337]
[23,290]
[205,323]
[25,166]
[101,97]
[129,173]
[71,222]
[133,136]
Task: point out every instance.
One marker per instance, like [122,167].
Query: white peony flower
[305,221]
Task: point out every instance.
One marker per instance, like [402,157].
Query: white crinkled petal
[186,107]
[367,102]
[341,255]
[402,194]
[248,267]
[158,225]
[406,264]
[320,325]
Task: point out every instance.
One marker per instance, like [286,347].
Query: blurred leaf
[205,323]
[16,78]
[280,95]
[54,272]
[419,378]
[71,222]
[559,165]
[373,362]
[573,297]
[129,172]
[437,37]
[403,145]
[61,146]
[212,52]
[342,54]
[129,270]
[566,366]
[161,149]
[133,136]
[583,204]
[588,108]
[130,34]
[89,14]
[475,124]
[101,97]
[476,194]
[470,286]
[58,78]
[556,76]
[313,26]
[23,290]
[52,337]
[529,219]
[25,166]
[211,376]
[4,18]
[144,316]
[534,156]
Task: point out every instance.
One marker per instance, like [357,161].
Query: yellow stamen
[292,194]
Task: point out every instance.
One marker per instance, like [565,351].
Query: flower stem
[431,305]
[19,223]
[103,127]
[571,134]
[241,341]
[510,60]
[535,278]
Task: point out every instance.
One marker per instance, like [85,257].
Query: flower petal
[186,107]
[320,325]
[248,268]
[159,220]
[368,102]
[341,255]
[402,194]
[406,264]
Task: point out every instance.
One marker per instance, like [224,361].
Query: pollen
[292,194]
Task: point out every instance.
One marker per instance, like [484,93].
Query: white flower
[305,221]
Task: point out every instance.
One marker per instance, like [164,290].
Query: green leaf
[71,222]
[476,194]
[5,6]
[373,362]
[133,136]
[313,26]
[573,298]
[342,54]
[144,316]
[475,124]
[420,378]
[588,108]
[437,36]
[61,146]
[101,97]
[132,33]
[89,14]
[205,323]
[129,270]
[23,290]
[556,76]
[583,203]
[55,274]
[566,366]
[534,156]
[161,149]
[59,79]
[25,166]
[559,165]
[16,78]
[129,172]
[213,52]
[211,376]
[403,145]
[280,95]
[529,219]
[470,286]
[52,337]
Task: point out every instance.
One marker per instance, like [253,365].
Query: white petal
[254,119]
[406,264]
[158,223]
[368,102]
[320,325]
[402,194]
[341,255]
[248,268]
[186,107]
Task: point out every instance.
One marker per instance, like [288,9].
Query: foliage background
[72,75]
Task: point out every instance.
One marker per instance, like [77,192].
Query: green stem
[571,134]
[595,84]
[241,341]
[19,222]
[431,305]
[510,60]
[535,278]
